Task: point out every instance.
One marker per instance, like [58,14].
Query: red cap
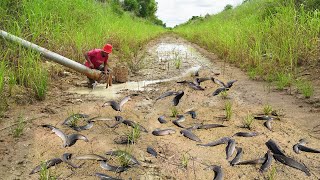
[107,48]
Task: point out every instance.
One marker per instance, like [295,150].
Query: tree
[131,5]
[147,8]
[227,7]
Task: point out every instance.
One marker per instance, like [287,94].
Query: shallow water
[191,61]
[114,91]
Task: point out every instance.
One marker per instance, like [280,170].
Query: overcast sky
[173,12]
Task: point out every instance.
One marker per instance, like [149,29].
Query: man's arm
[88,59]
[106,67]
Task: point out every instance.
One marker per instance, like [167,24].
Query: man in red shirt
[98,59]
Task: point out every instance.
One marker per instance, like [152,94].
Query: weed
[228,109]
[174,111]
[184,160]
[224,94]
[276,38]
[123,157]
[305,88]
[247,122]
[177,63]
[17,132]
[272,174]
[75,120]
[45,173]
[283,80]
[267,109]
[134,134]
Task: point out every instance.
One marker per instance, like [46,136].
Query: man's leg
[90,82]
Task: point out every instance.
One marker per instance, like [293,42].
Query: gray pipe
[92,73]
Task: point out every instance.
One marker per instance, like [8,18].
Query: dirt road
[180,158]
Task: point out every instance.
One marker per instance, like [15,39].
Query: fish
[163,132]
[151,151]
[218,173]
[246,134]
[219,90]
[117,106]
[223,140]
[119,120]
[105,177]
[109,167]
[65,158]
[217,81]
[297,148]
[267,163]
[74,116]
[230,83]
[198,81]
[267,124]
[123,140]
[85,127]
[209,126]
[264,117]
[181,118]
[190,135]
[125,154]
[230,148]
[254,161]
[292,163]
[195,126]
[133,124]
[162,120]
[47,164]
[177,98]
[192,113]
[166,94]
[91,157]
[236,159]
[195,86]
[68,140]
[273,146]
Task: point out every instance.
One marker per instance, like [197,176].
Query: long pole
[91,73]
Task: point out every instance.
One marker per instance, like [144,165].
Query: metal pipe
[91,73]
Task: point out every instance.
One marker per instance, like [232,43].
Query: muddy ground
[18,156]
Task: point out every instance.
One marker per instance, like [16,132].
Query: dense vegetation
[68,27]
[270,39]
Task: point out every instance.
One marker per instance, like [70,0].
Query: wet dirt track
[20,156]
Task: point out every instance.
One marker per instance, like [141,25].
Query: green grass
[45,173]
[305,87]
[272,174]
[248,121]
[224,94]
[18,130]
[174,111]
[267,109]
[134,135]
[177,63]
[228,110]
[123,157]
[184,160]
[264,37]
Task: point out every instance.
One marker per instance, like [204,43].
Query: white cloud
[173,12]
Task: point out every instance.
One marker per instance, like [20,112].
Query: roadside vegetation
[270,39]
[69,28]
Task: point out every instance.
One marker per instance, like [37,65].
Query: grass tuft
[267,109]
[45,173]
[228,110]
[123,157]
[272,174]
[248,121]
[174,111]
[305,88]
[185,160]
[224,94]
[18,130]
[134,135]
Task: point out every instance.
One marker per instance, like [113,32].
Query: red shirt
[96,58]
